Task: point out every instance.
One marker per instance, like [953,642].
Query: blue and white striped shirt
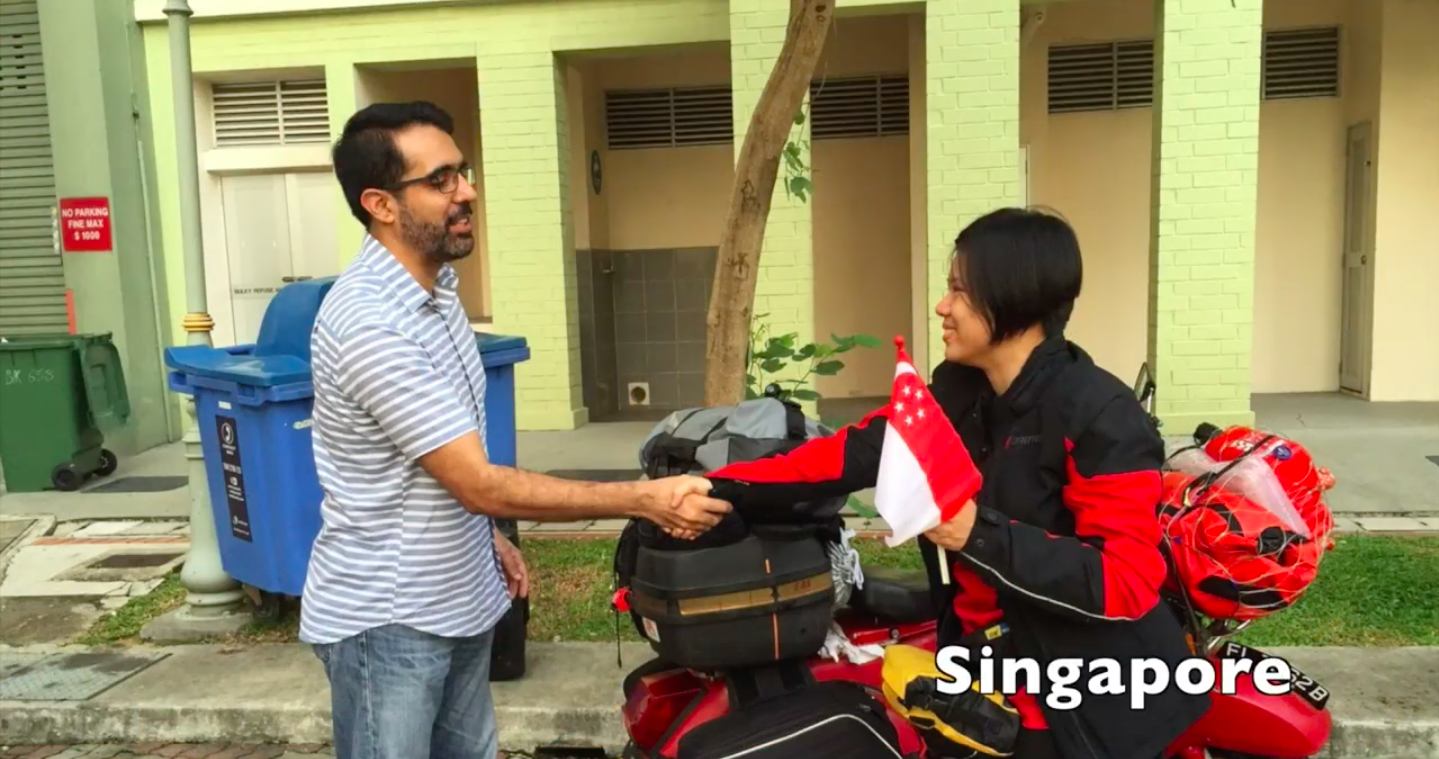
[397,374]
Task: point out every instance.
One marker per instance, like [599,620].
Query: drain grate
[598,475]
[134,560]
[141,485]
[70,677]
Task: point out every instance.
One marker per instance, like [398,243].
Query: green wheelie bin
[59,395]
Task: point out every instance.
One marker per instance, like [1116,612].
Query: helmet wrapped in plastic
[1245,523]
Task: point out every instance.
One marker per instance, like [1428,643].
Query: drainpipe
[212,595]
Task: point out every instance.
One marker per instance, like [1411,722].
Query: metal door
[32,277]
[1357,310]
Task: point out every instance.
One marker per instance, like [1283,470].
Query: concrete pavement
[1385,703]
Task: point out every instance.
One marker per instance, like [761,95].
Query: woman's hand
[952,535]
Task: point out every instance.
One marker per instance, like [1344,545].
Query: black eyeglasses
[445,179]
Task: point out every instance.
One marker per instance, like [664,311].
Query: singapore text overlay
[1139,678]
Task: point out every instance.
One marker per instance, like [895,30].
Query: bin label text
[28,376]
[229,436]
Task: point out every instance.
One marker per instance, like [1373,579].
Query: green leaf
[821,350]
[843,342]
[750,394]
[805,352]
[800,186]
[828,368]
[868,341]
[772,365]
[789,339]
[750,379]
[801,394]
[799,118]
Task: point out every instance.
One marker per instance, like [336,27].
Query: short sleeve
[392,377]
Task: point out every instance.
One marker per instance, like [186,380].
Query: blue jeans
[398,693]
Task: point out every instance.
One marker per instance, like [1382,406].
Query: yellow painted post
[1204,196]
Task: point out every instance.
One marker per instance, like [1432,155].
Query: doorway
[279,228]
[1357,310]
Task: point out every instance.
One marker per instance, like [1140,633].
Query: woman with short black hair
[1058,556]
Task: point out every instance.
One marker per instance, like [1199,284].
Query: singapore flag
[925,473]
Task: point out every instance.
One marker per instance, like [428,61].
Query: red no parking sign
[85,225]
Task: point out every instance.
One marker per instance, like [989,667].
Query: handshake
[680,505]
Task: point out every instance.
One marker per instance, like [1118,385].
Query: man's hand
[681,504]
[517,575]
[954,534]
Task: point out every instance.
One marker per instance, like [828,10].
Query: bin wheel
[108,463]
[269,607]
[65,478]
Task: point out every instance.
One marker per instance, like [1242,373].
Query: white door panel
[314,249]
[257,242]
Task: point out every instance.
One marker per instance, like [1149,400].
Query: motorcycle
[664,703]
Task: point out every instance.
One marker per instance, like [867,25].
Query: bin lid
[290,317]
[104,378]
[42,340]
[501,350]
[238,366]
[490,343]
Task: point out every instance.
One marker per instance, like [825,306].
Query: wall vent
[869,106]
[1101,77]
[669,117]
[271,113]
[1301,63]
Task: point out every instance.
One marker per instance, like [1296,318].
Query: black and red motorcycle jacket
[1066,544]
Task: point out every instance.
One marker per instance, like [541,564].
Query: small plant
[772,355]
[798,185]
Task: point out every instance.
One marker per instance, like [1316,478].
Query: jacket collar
[1048,358]
[378,259]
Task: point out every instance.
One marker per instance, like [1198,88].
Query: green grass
[1372,590]
[123,624]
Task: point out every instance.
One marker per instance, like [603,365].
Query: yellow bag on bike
[968,724]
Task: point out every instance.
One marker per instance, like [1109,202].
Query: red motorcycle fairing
[1250,722]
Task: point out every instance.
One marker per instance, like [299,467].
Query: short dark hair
[1020,267]
[365,156]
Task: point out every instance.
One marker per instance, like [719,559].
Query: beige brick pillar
[785,290]
[1204,196]
[971,133]
[524,130]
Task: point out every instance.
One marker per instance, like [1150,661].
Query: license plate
[1316,694]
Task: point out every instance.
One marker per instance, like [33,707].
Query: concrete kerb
[1386,703]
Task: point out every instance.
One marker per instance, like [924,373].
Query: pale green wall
[95,86]
[527,210]
[970,155]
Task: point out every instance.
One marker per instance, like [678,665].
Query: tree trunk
[737,269]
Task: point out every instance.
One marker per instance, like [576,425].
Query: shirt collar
[412,296]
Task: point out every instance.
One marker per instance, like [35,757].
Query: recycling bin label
[229,437]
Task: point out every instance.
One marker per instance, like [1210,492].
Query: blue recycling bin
[253,406]
[499,354]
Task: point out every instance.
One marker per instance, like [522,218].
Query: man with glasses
[408,576]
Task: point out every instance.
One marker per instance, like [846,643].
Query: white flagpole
[943,565]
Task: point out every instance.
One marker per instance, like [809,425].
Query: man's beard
[433,240]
